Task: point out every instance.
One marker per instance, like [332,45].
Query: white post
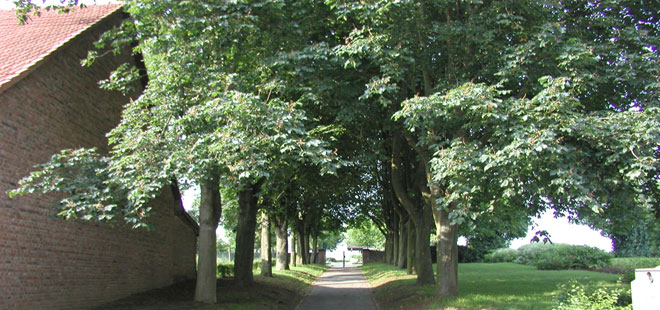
[645,289]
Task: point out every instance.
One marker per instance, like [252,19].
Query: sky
[561,231]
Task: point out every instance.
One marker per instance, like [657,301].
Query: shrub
[503,255]
[225,270]
[626,266]
[529,254]
[574,296]
[562,256]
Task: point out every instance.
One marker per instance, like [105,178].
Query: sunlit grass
[483,286]
[298,281]
[299,278]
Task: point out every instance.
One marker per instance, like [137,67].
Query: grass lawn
[482,286]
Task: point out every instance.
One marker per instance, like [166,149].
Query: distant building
[48,102]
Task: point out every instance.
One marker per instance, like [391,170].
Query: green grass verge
[482,286]
[284,288]
[298,279]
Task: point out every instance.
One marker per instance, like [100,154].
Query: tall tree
[494,106]
[206,114]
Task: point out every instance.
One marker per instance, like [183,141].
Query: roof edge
[179,210]
[47,55]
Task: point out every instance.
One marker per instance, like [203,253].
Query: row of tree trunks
[420,214]
[392,213]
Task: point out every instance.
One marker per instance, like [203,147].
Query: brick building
[48,102]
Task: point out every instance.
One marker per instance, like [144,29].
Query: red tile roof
[22,47]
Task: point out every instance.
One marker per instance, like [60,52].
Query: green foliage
[503,255]
[225,270]
[25,8]
[626,266]
[89,191]
[575,296]
[211,108]
[640,238]
[562,256]
[366,235]
[331,239]
[222,245]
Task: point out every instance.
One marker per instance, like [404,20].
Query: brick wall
[371,256]
[47,262]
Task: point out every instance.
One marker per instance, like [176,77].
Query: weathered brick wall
[371,256]
[47,262]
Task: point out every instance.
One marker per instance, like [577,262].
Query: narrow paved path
[339,289]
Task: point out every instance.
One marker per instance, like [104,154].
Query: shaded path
[339,289]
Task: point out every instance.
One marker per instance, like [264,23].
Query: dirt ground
[262,295]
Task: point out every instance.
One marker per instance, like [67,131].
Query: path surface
[339,289]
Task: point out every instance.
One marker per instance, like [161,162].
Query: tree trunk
[315,249]
[395,245]
[303,247]
[446,241]
[307,256]
[388,247]
[209,214]
[294,254]
[417,213]
[245,231]
[281,261]
[403,238]
[266,265]
[410,251]
[447,253]
[423,262]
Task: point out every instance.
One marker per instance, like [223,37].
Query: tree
[489,129]
[206,116]
[266,257]
[330,239]
[479,108]
[366,235]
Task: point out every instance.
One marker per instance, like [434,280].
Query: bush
[529,254]
[575,296]
[225,270]
[626,266]
[503,255]
[562,256]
